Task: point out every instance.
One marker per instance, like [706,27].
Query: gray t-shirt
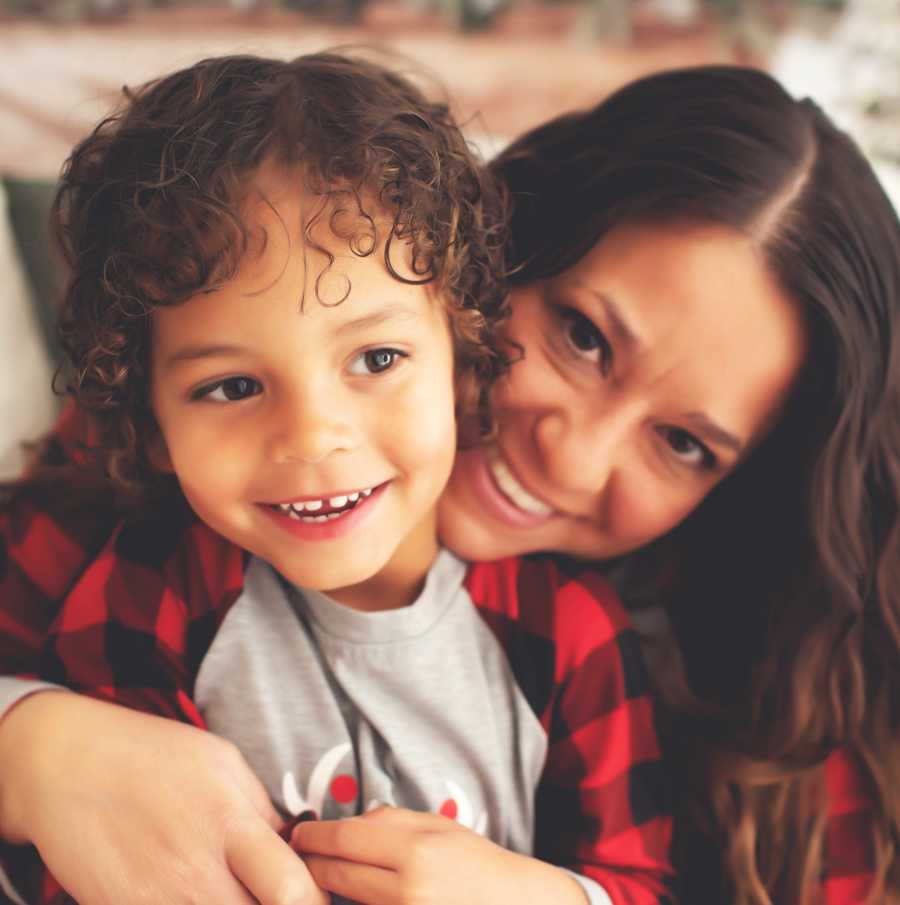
[338,711]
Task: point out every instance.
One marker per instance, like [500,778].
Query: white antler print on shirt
[457,806]
[314,799]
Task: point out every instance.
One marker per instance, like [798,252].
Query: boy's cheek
[430,422]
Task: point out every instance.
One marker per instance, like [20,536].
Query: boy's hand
[131,809]
[392,856]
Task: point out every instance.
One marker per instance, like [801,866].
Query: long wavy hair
[149,213]
[785,591]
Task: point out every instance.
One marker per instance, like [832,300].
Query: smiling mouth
[325,509]
[507,483]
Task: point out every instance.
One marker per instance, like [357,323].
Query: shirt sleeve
[51,528]
[132,628]
[849,855]
[603,808]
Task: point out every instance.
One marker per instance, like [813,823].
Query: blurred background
[507,65]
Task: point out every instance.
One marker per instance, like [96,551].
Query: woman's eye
[687,448]
[231,389]
[585,338]
[375,361]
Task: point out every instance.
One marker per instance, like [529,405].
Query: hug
[456,533]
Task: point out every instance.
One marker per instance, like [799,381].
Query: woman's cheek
[530,385]
[640,511]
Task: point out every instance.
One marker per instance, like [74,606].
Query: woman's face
[649,370]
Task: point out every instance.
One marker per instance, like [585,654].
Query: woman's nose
[579,451]
[309,427]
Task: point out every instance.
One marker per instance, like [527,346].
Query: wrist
[549,883]
[25,756]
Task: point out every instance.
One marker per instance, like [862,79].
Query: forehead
[284,218]
[710,328]
[309,257]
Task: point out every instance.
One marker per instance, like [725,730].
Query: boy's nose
[310,430]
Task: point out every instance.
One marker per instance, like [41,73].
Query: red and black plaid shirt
[127,612]
[134,624]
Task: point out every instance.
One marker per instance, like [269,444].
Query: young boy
[282,273]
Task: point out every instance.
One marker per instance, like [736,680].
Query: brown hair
[149,213]
[785,592]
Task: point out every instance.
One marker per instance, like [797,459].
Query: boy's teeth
[511,488]
[296,510]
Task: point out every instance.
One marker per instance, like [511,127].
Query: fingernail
[288,829]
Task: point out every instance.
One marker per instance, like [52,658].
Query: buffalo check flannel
[126,611]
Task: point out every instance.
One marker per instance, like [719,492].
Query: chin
[317,578]
[474,541]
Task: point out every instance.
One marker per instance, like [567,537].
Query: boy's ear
[158,453]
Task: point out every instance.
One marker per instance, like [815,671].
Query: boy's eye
[585,338]
[375,361]
[687,448]
[231,389]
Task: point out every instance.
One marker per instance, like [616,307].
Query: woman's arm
[603,806]
[129,808]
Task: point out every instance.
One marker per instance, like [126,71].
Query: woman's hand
[391,856]
[131,809]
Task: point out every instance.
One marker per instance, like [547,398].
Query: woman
[782,587]
[708,375]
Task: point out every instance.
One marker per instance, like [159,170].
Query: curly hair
[149,214]
[783,587]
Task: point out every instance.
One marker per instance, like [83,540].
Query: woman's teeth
[336,506]
[513,490]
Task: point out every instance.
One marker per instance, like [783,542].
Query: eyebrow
[713,432]
[703,424]
[192,353]
[389,313]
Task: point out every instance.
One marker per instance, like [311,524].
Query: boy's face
[318,438]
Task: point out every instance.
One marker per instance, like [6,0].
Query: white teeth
[296,510]
[514,490]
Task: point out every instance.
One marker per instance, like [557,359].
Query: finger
[421,821]
[270,868]
[264,807]
[351,839]
[231,892]
[361,883]
[257,796]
